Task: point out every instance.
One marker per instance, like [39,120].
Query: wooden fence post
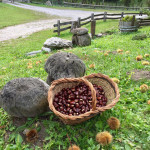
[74,25]
[93,26]
[140,14]
[105,16]
[79,22]
[133,20]
[122,14]
[92,16]
[58,27]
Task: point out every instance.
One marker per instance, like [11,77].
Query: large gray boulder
[81,37]
[57,43]
[79,31]
[24,97]
[83,40]
[64,65]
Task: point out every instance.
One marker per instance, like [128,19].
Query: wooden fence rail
[80,22]
[144,22]
[103,6]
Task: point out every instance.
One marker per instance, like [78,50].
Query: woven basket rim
[65,80]
[116,99]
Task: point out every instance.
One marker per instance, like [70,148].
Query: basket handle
[93,93]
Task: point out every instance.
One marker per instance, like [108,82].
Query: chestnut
[84,103]
[78,100]
[61,108]
[72,102]
[68,109]
[77,105]
[71,106]
[56,99]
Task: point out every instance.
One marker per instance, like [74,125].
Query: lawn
[132,109]
[11,15]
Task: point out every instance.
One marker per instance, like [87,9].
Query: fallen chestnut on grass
[78,100]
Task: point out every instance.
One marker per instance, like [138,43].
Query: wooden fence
[144,22]
[103,6]
[80,22]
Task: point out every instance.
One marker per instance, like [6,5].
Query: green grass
[11,15]
[131,110]
[85,9]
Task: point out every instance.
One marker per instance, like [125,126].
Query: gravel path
[23,30]
[26,29]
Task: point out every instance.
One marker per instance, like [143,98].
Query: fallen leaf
[107,51]
[31,135]
[139,57]
[38,62]
[116,80]
[145,63]
[106,54]
[127,52]
[92,65]
[144,88]
[146,55]
[29,64]
[119,50]
[2,127]
[30,67]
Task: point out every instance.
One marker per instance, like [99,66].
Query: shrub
[127,18]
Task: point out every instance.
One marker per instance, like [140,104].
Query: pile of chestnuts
[78,100]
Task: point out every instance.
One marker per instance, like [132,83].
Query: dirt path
[23,30]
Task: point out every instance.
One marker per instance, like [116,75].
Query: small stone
[99,35]
[46,49]
[137,75]
[33,53]
[57,43]
[139,37]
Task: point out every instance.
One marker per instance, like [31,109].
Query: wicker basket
[110,89]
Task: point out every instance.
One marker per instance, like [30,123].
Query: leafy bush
[127,18]
[146,11]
